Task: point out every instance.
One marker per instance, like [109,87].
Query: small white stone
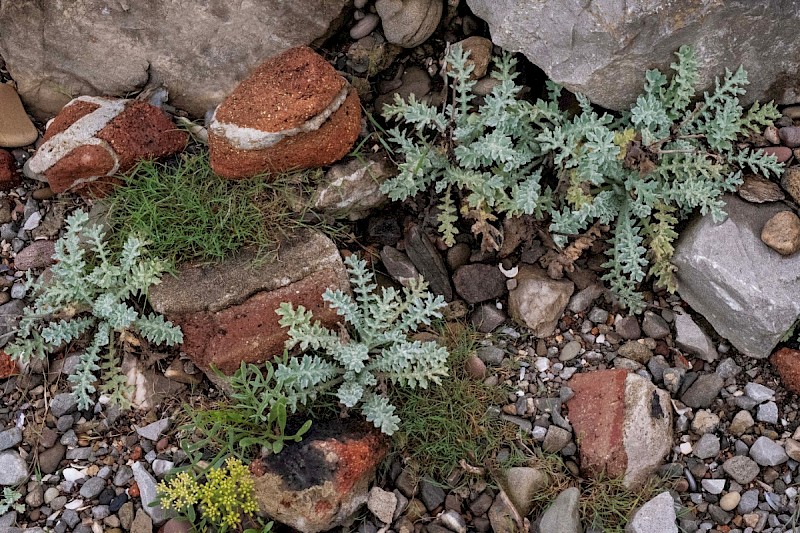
[713,486]
[542,364]
[33,221]
[74,504]
[72,474]
[686,448]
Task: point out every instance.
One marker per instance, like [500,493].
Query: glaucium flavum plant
[372,354]
[485,156]
[638,174]
[644,172]
[90,293]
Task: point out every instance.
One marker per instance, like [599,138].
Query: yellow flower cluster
[227,494]
[179,493]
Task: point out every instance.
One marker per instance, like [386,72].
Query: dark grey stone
[487,317]
[431,494]
[10,437]
[703,391]
[92,487]
[429,262]
[62,404]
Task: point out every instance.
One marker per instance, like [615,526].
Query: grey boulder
[13,469]
[603,48]
[563,516]
[655,516]
[199,51]
[749,293]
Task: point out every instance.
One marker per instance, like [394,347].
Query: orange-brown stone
[283,93]
[250,331]
[787,363]
[140,131]
[227,310]
[67,117]
[319,483]
[9,177]
[82,163]
[8,367]
[597,414]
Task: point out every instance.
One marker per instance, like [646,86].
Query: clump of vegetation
[10,500]
[361,362]
[447,424]
[90,292]
[605,503]
[250,421]
[223,499]
[188,213]
[640,173]
[485,157]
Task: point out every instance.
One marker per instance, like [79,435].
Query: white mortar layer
[243,138]
[81,133]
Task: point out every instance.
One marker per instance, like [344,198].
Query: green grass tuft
[445,424]
[188,213]
[605,503]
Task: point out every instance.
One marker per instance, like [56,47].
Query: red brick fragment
[787,363]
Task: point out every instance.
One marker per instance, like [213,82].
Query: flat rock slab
[748,292]
[227,311]
[622,422]
[603,48]
[117,48]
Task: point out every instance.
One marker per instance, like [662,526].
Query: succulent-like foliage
[640,173]
[90,292]
[358,364]
[223,500]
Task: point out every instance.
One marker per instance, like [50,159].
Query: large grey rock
[13,469]
[749,293]
[564,515]
[603,48]
[656,516]
[147,490]
[198,50]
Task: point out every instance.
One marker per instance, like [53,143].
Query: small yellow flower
[179,493]
[227,494]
